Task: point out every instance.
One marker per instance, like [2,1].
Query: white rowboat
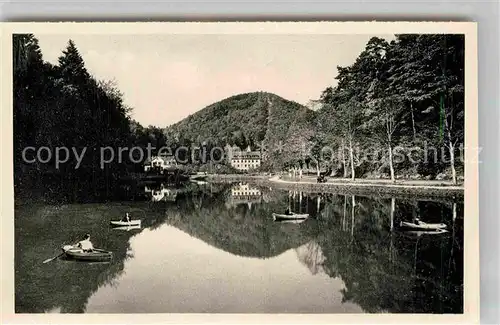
[422,225]
[125,223]
[293,216]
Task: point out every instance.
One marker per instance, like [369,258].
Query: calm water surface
[215,248]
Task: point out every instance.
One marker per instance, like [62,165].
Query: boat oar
[53,258]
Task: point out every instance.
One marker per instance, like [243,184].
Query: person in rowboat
[288,212]
[126,218]
[85,244]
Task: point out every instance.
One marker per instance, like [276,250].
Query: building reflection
[244,193]
[161,193]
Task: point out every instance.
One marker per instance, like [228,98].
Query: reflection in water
[187,275]
[244,193]
[312,256]
[161,192]
[216,249]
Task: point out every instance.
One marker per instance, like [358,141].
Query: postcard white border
[471,203]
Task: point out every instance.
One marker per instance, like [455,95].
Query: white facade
[160,162]
[243,160]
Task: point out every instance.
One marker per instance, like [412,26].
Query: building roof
[247,155]
[166,159]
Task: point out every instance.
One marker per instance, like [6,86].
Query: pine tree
[72,66]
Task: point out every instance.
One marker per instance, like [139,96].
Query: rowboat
[293,216]
[96,255]
[422,225]
[127,228]
[294,221]
[130,223]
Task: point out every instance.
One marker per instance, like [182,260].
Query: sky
[165,78]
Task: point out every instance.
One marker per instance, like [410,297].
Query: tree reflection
[354,238]
[383,270]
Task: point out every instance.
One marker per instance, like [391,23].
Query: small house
[160,163]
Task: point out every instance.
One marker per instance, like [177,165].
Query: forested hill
[245,120]
[396,111]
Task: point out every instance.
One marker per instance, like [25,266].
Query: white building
[243,160]
[160,162]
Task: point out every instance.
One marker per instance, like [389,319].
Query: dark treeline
[408,93]
[64,106]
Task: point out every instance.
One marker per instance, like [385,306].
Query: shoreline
[359,186]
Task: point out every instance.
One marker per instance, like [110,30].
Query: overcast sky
[165,78]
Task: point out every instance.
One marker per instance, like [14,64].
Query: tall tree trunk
[343,159]
[451,148]
[452,160]
[351,157]
[317,168]
[391,166]
[413,122]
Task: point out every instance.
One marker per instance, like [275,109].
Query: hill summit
[243,120]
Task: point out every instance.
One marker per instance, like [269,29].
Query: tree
[383,121]
[64,105]
[449,86]
[317,145]
[72,66]
[406,81]
[415,81]
[30,83]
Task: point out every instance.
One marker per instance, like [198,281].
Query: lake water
[215,248]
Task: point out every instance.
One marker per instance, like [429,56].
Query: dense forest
[64,106]
[408,93]
[395,97]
